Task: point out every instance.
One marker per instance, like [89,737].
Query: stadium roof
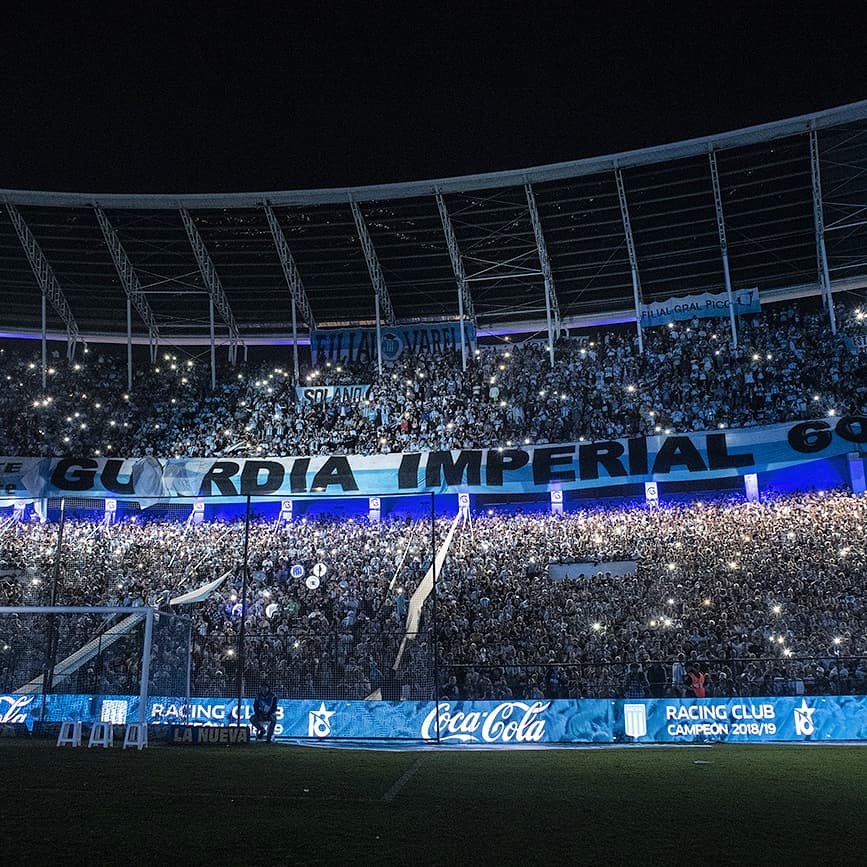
[186,249]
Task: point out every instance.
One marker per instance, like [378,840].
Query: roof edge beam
[795,126]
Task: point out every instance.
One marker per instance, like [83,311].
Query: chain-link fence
[306,664]
[51,656]
[791,676]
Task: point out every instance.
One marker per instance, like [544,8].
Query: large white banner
[677,457]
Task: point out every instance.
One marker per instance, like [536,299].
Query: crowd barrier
[507,723]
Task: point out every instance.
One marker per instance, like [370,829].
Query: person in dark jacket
[636,685]
[656,679]
[264,711]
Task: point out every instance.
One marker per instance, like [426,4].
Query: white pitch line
[402,780]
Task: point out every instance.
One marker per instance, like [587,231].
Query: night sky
[222,97]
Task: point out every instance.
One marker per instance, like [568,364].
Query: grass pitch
[272,804]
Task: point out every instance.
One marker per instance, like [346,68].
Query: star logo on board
[319,722]
[804,719]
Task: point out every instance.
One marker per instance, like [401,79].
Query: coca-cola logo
[11,707]
[509,722]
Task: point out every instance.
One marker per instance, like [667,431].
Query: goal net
[90,663]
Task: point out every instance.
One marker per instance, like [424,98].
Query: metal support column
[819,217]
[293,281]
[146,666]
[44,342]
[213,344]
[723,244]
[552,308]
[128,344]
[48,285]
[465,301]
[633,259]
[242,631]
[435,640]
[383,301]
[129,280]
[48,677]
[463,336]
[378,335]
[296,374]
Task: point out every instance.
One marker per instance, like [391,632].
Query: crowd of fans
[787,366]
[756,598]
[748,599]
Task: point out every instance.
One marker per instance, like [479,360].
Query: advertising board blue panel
[513,722]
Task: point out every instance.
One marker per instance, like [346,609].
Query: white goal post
[59,650]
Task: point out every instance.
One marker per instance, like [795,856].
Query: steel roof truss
[45,277]
[723,243]
[129,279]
[373,266]
[819,219]
[552,308]
[290,270]
[633,259]
[212,281]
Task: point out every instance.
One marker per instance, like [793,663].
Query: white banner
[529,469]
[307,395]
[699,306]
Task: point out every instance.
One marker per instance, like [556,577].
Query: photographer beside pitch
[264,711]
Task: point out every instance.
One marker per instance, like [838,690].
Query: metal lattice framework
[47,281]
[779,207]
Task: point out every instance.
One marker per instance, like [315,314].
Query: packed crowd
[759,598]
[309,641]
[787,366]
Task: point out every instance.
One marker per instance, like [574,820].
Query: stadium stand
[723,596]
[763,598]
[788,366]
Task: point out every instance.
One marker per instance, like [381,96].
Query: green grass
[272,804]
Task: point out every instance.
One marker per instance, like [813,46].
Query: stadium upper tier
[788,366]
[502,235]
